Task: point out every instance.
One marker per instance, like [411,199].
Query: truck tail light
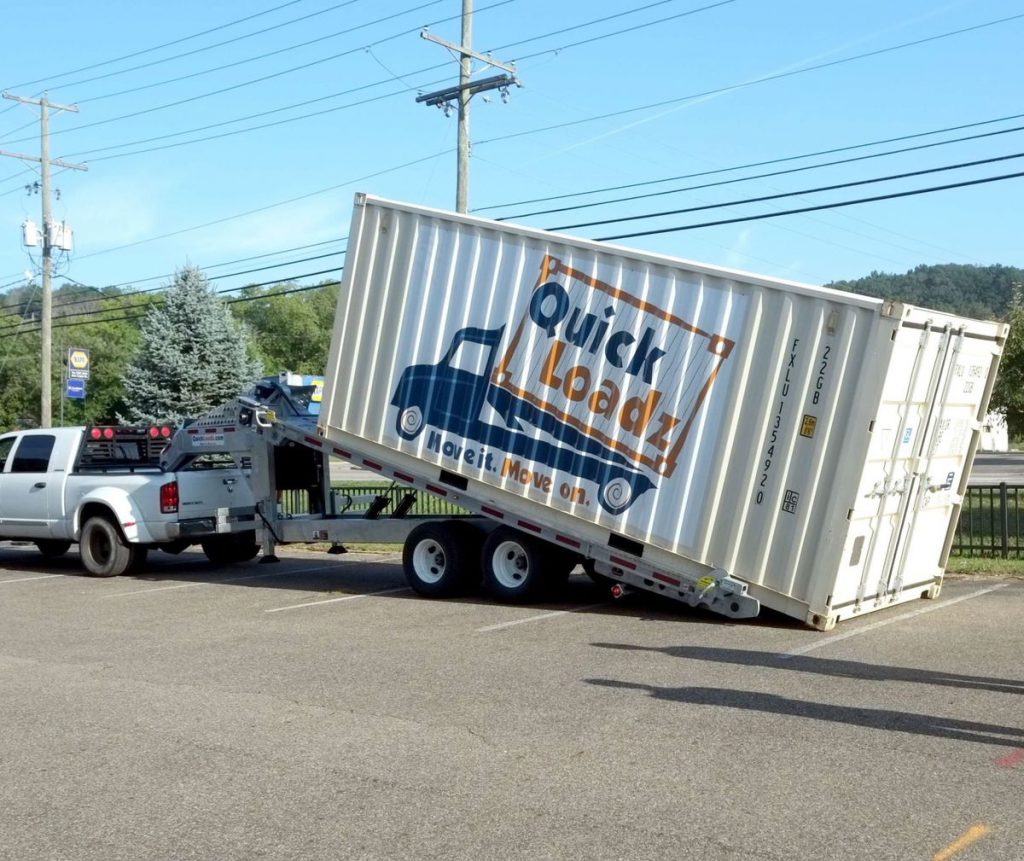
[169,497]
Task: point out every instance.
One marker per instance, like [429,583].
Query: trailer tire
[514,566]
[104,550]
[51,548]
[439,559]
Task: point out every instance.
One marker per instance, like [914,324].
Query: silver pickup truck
[104,488]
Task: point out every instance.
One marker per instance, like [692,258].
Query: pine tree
[193,356]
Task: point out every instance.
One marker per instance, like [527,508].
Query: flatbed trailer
[720,438]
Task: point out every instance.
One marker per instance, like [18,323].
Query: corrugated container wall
[811,442]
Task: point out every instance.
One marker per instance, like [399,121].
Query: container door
[942,460]
[930,410]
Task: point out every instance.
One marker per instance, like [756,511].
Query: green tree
[1008,394]
[100,321]
[291,327]
[193,355]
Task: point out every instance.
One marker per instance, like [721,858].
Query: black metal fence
[361,498]
[990,523]
[990,520]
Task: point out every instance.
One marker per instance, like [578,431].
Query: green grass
[985,566]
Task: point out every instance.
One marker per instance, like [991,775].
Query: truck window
[33,453]
[5,450]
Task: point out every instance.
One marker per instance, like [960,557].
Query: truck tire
[104,551]
[441,558]
[51,548]
[515,566]
[226,549]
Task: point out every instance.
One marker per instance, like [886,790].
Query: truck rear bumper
[217,522]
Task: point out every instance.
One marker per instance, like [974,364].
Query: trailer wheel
[514,565]
[104,551]
[51,548]
[438,559]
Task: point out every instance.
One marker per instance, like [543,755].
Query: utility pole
[45,417]
[464,92]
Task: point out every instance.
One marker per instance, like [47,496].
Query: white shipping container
[812,443]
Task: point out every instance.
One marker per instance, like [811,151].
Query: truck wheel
[439,559]
[514,565]
[104,551]
[51,548]
[225,549]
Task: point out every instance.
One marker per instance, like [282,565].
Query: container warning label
[808,425]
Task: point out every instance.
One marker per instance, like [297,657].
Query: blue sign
[76,389]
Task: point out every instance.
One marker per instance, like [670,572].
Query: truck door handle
[39,484]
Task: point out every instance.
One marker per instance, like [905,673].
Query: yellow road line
[971,835]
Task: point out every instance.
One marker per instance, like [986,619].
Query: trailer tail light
[169,497]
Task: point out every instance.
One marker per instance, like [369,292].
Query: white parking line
[336,600]
[828,641]
[26,579]
[540,618]
[215,582]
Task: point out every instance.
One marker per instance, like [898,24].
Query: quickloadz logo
[613,380]
[615,367]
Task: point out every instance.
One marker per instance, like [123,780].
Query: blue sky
[579,123]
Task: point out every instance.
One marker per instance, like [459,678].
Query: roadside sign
[78,364]
[76,389]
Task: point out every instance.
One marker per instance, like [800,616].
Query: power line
[265,55]
[499,138]
[835,205]
[195,51]
[406,88]
[239,299]
[746,166]
[157,47]
[262,78]
[756,176]
[763,198]
[132,293]
[751,83]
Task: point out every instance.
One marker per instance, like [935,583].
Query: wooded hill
[982,292]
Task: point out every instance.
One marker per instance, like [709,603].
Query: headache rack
[116,448]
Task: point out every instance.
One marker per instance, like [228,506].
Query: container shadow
[881,719]
[828,667]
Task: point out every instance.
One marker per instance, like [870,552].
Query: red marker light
[617,591]
[94,433]
[165,432]
[153,433]
[108,433]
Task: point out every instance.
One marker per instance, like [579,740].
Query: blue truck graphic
[452,399]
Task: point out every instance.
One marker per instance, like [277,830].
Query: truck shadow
[881,719]
[828,667]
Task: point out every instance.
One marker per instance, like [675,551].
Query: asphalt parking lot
[317,709]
